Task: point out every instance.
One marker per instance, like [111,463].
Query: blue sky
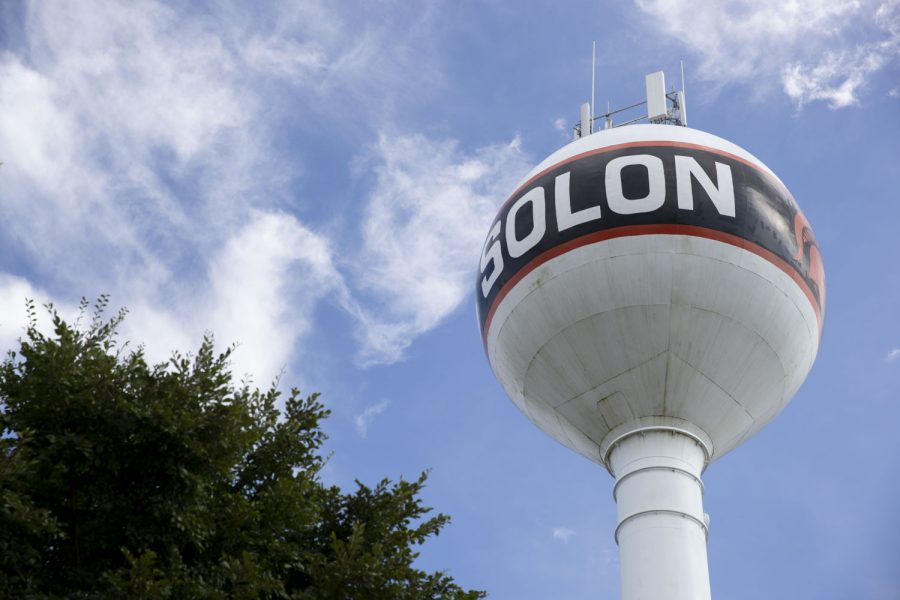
[314,180]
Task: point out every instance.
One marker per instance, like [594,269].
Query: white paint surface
[653,327]
[661,528]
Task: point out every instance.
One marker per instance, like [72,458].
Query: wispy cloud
[813,49]
[424,224]
[265,283]
[562,533]
[13,317]
[130,171]
[364,419]
[142,165]
[893,355]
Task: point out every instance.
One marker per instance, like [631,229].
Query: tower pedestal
[662,529]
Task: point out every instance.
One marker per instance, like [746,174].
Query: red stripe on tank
[658,229]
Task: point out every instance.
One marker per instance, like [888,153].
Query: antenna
[661,107]
[586,124]
[657,109]
[593,76]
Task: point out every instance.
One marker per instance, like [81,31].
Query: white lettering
[517,247]
[565,218]
[722,196]
[656,180]
[491,254]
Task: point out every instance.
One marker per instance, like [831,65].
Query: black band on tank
[766,216]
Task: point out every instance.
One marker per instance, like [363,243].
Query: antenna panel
[656,97]
[586,119]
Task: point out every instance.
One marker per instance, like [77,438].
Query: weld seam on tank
[707,451]
[684,472]
[661,511]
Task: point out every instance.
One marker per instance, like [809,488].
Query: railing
[675,115]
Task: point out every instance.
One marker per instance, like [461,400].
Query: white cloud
[562,533]
[139,153]
[364,419]
[139,161]
[13,293]
[345,54]
[265,284]
[423,228]
[815,49]
[836,78]
[143,166]
[116,109]
[161,330]
[263,287]
[893,355]
[562,126]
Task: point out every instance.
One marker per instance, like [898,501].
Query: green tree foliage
[122,479]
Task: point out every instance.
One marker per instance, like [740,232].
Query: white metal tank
[651,296]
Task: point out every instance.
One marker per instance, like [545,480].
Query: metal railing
[675,116]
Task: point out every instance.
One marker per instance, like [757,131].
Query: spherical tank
[650,277]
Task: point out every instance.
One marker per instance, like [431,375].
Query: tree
[122,479]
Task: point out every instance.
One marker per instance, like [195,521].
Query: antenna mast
[662,107]
[593,76]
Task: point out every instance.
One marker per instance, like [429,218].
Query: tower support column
[662,529]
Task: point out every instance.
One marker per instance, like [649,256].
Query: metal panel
[615,331]
[661,528]
[694,397]
[637,392]
[656,96]
[586,124]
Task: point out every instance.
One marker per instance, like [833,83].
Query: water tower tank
[651,296]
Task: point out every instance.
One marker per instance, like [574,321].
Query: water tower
[651,296]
